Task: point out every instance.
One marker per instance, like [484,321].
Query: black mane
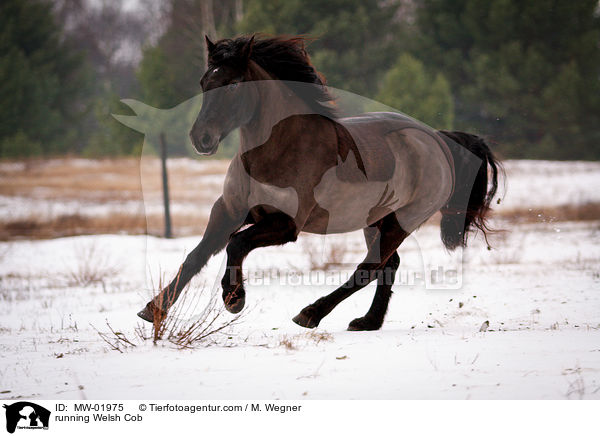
[285,59]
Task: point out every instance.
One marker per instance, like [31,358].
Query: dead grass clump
[288,343]
[311,337]
[317,336]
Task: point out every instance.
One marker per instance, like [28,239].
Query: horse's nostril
[205,139]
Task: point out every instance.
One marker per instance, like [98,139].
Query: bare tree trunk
[208,23]
[238,11]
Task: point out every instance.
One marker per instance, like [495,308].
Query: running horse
[301,167]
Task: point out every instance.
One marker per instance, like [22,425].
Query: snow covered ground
[539,289]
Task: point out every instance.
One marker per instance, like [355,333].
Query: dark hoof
[364,324]
[151,312]
[308,318]
[235,301]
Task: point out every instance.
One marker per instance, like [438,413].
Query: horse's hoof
[150,312]
[364,324]
[235,301]
[307,318]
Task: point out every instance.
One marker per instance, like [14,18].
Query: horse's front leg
[274,229]
[221,225]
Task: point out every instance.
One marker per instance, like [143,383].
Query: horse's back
[380,138]
[407,161]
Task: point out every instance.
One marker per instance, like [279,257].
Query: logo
[26,415]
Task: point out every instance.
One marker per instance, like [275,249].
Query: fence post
[165,185]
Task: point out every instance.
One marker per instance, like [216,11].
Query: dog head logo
[26,415]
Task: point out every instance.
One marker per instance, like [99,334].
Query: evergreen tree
[44,83]
[525,73]
[356,41]
[410,89]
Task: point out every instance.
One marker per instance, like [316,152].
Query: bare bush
[178,327]
[187,332]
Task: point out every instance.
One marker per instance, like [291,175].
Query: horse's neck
[276,103]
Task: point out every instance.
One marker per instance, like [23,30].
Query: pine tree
[44,82]
[526,74]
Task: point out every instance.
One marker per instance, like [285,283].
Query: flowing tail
[470,202]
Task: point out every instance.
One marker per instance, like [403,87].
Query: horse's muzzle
[206,145]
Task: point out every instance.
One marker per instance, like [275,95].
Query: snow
[539,288]
[550,183]
[542,303]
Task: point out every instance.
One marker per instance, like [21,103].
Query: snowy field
[539,288]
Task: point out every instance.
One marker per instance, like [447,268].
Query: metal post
[165,183]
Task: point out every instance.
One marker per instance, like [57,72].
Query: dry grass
[68,179]
[570,212]
[114,181]
[72,225]
[101,180]
[76,225]
[191,224]
[117,181]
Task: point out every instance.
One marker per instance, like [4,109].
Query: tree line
[526,75]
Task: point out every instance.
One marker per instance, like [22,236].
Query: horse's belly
[354,206]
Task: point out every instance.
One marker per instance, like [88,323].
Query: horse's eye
[232,86]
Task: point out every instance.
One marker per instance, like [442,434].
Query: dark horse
[300,167]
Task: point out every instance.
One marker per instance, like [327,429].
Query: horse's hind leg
[380,250]
[273,229]
[373,320]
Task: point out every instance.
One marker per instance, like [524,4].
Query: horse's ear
[247,49]
[210,46]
